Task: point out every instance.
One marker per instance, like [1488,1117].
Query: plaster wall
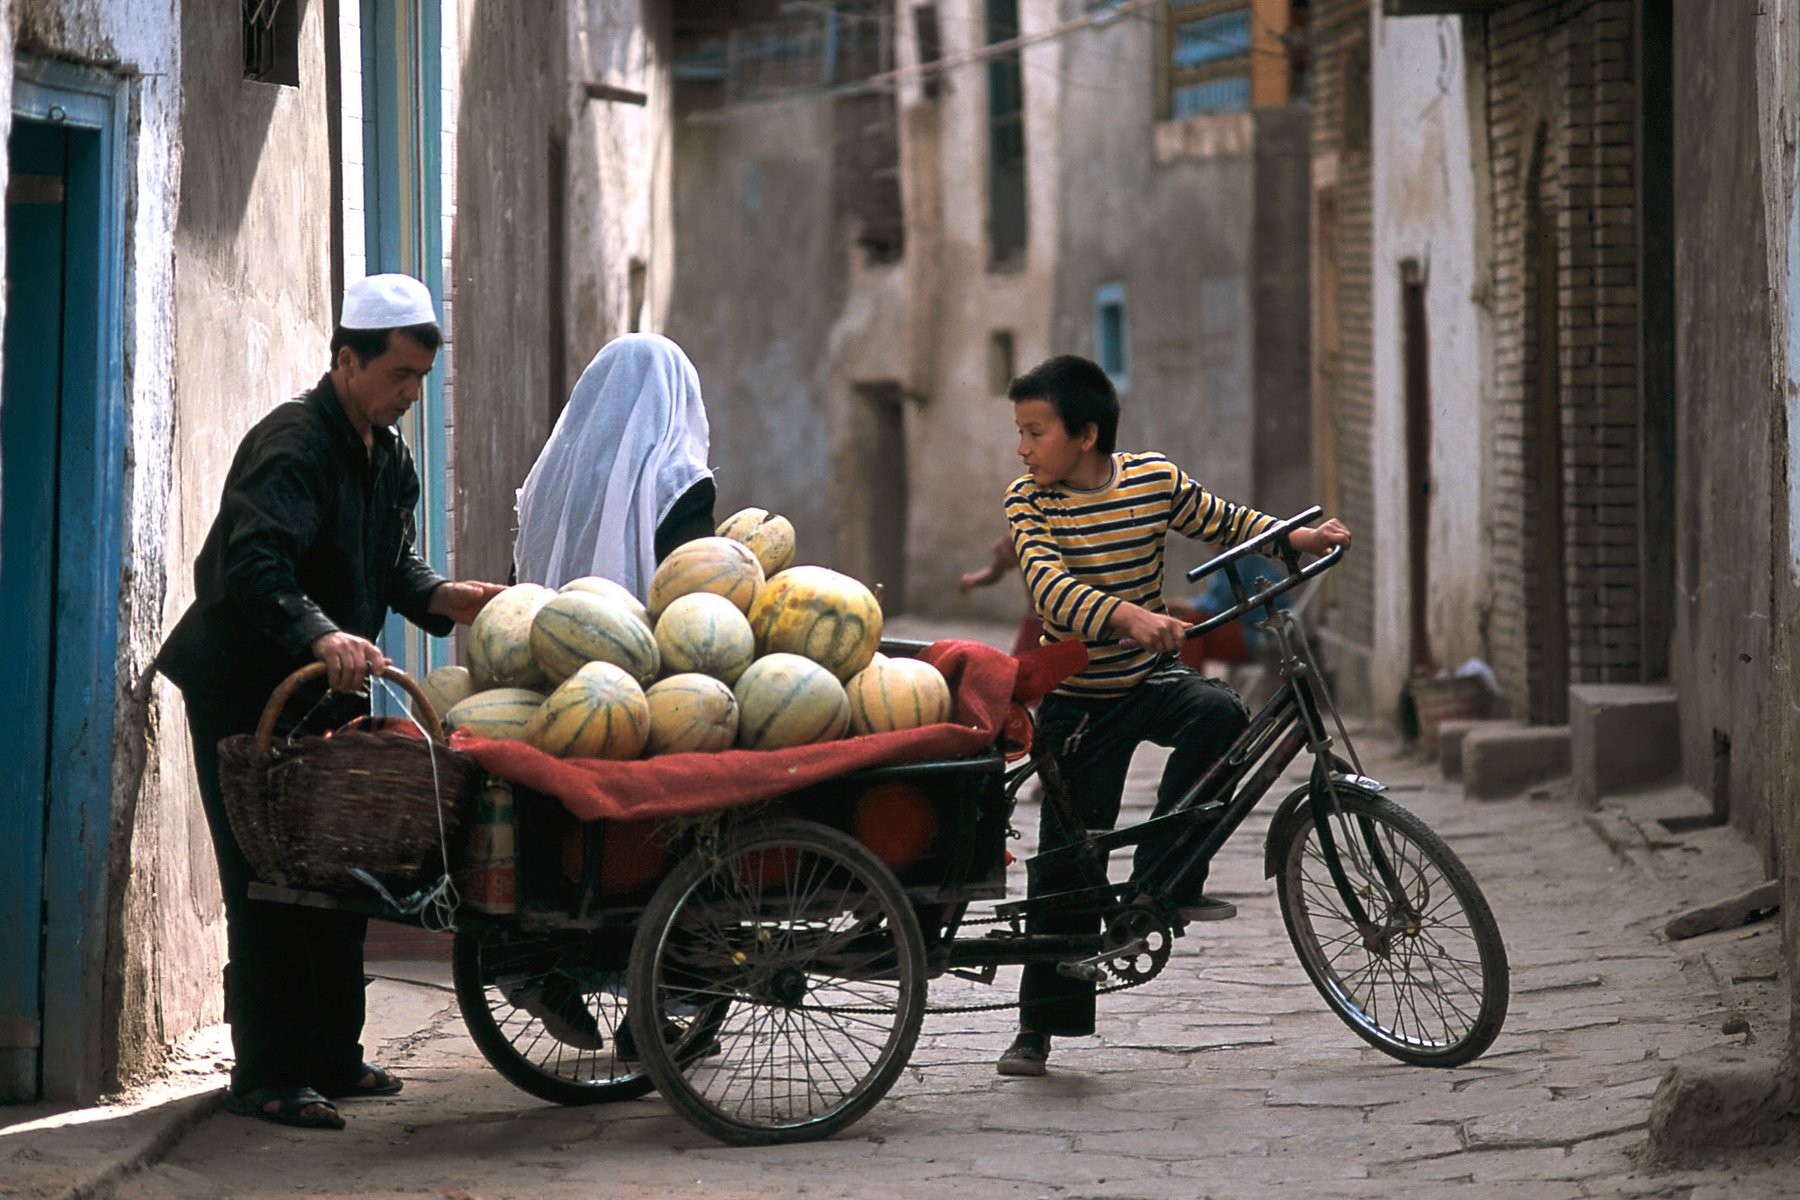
[961,437]
[1427,208]
[761,278]
[1727,459]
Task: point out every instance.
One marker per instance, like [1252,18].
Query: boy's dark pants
[1093,742]
[293,976]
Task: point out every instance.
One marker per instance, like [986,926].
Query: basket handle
[265,729]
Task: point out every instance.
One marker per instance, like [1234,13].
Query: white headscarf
[632,440]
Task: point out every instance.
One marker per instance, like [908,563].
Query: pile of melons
[733,647]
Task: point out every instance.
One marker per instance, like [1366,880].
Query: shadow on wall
[226,118]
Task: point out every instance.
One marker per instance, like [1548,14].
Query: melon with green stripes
[445,688]
[821,614]
[897,693]
[501,713]
[704,633]
[787,700]
[769,534]
[691,714]
[709,564]
[600,585]
[573,628]
[598,712]
[500,638]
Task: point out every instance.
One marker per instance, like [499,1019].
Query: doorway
[1416,371]
[61,443]
[883,468]
[1546,602]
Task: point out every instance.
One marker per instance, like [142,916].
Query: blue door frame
[53,888]
[403,206]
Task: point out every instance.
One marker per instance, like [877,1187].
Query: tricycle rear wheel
[804,951]
[546,1015]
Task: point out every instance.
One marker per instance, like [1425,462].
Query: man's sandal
[298,1106]
[370,1080]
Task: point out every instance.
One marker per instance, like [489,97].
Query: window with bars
[1112,336]
[272,41]
[1006,140]
[1209,56]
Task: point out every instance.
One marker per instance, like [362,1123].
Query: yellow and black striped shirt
[1082,553]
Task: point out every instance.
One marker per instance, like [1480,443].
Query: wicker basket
[307,809]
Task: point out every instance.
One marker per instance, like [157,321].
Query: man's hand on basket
[349,660]
[461,601]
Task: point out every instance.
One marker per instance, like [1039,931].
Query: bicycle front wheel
[804,948]
[1426,979]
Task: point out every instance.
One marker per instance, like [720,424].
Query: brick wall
[1560,76]
[1343,397]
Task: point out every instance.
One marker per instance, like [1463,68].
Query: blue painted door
[30,412]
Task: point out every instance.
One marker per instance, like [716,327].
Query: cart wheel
[800,947]
[1427,982]
[546,1016]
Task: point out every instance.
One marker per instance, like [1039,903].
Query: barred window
[1209,56]
[272,41]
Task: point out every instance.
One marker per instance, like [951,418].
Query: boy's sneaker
[559,1005]
[1027,1055]
[1206,909]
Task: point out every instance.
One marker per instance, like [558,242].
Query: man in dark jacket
[313,545]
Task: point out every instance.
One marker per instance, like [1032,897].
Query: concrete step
[1450,742]
[1507,759]
[1622,737]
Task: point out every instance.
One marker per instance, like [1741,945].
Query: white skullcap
[387,302]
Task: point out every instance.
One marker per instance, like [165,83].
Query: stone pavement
[1225,1077]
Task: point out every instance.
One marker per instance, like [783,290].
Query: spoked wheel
[1426,979]
[804,950]
[547,1016]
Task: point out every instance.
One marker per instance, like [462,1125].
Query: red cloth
[981,686]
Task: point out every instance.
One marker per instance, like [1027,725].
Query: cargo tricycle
[767,968]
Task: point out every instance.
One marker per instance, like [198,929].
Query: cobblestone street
[1225,1077]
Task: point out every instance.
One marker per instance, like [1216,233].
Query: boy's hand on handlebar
[1157,632]
[1320,538]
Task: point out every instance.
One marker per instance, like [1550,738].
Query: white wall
[1428,207]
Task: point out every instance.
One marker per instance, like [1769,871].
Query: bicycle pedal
[1086,971]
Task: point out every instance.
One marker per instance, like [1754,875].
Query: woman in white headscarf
[623,479]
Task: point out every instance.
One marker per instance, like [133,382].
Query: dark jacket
[314,533]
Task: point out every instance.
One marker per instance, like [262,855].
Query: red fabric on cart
[981,684]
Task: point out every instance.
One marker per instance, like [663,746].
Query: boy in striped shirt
[1088,525]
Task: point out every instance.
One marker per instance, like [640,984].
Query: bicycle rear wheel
[1426,981]
[804,947]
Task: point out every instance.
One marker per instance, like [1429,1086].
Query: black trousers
[293,976]
[1093,743]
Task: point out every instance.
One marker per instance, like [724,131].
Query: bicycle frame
[1207,815]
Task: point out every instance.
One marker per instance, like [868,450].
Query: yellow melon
[445,688]
[602,586]
[500,638]
[710,564]
[706,633]
[770,535]
[579,627]
[813,611]
[500,713]
[897,693]
[598,712]
[786,700]
[691,713]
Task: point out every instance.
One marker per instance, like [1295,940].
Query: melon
[691,713]
[821,614]
[768,534]
[709,564]
[787,700]
[500,638]
[897,693]
[706,633]
[600,585]
[598,712]
[496,713]
[446,687]
[573,628]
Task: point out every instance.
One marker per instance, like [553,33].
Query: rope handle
[265,729]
